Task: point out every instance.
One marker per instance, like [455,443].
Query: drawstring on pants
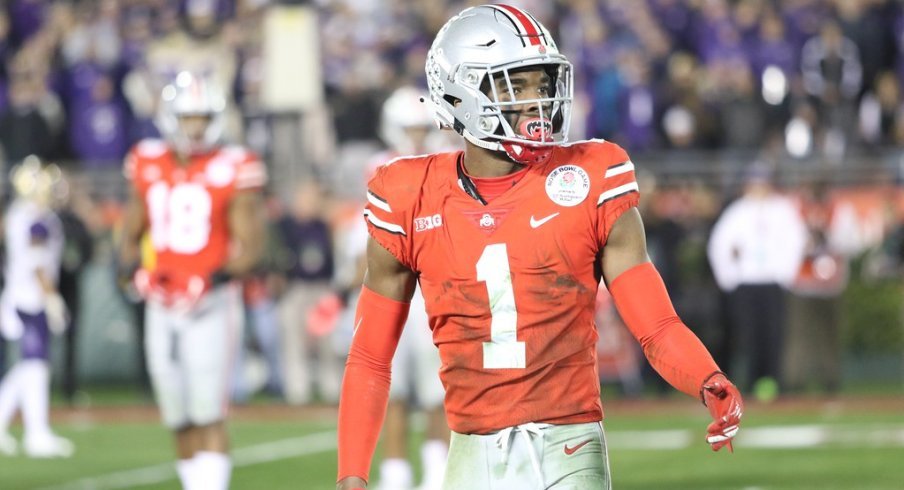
[503,442]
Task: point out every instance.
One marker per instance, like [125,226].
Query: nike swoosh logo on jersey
[536,223]
[571,450]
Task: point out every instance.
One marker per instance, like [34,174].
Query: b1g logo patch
[428,222]
[568,185]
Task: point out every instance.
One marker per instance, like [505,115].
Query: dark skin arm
[247,227]
[134,223]
[387,277]
[626,246]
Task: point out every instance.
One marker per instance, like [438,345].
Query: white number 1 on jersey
[503,351]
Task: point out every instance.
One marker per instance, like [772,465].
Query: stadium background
[697,91]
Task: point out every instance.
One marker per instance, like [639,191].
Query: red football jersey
[510,286]
[187,206]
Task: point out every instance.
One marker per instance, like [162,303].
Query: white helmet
[36,182]
[190,95]
[403,110]
[481,46]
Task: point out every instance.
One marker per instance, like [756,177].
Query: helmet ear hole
[489,124]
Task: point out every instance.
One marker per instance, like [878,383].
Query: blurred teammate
[199,202]
[31,309]
[407,128]
[508,241]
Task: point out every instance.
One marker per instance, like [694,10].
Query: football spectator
[882,112]
[28,17]
[307,262]
[98,118]
[29,127]
[812,357]
[78,250]
[832,77]
[755,250]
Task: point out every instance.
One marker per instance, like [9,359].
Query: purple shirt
[803,22]
[98,120]
[638,124]
[675,18]
[26,18]
[899,39]
[780,53]
[97,133]
[4,101]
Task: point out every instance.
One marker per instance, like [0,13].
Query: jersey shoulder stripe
[617,192]
[383,225]
[619,168]
[378,201]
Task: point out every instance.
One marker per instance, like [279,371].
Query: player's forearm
[133,226]
[129,252]
[247,227]
[47,285]
[680,358]
[245,260]
[672,349]
[365,388]
[362,409]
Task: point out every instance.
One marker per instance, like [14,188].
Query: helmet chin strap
[487,145]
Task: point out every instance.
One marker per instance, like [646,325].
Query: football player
[199,202]
[31,308]
[508,241]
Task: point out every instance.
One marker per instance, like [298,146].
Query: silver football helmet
[191,95]
[477,51]
[35,181]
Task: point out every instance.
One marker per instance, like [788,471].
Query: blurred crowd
[78,79]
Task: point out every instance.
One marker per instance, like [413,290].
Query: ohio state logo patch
[568,185]
[487,220]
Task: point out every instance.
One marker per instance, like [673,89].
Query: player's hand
[351,483]
[143,283]
[195,289]
[726,407]
[57,313]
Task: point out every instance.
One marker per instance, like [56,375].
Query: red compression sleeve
[365,387]
[672,349]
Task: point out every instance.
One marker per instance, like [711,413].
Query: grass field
[849,443]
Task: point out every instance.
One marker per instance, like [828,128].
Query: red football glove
[183,295]
[726,407]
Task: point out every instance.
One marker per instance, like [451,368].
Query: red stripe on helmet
[529,28]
